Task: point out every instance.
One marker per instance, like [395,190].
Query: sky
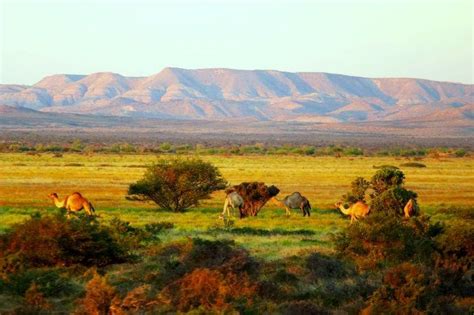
[392,38]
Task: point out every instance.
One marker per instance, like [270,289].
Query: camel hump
[77,193]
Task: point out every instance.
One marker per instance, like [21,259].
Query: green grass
[26,180]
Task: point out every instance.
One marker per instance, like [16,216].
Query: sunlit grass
[26,180]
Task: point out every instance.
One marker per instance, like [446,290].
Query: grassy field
[26,180]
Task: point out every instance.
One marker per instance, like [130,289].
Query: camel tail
[92,207]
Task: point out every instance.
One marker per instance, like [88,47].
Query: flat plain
[26,180]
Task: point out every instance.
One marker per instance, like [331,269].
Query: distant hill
[261,95]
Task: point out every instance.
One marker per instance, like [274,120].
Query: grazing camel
[408,209]
[356,211]
[73,203]
[295,201]
[233,200]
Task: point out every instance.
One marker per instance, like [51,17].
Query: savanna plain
[282,244]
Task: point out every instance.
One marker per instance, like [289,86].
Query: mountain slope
[219,94]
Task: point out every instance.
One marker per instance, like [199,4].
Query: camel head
[53,195]
[338,204]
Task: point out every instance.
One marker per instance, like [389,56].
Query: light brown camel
[73,203]
[356,211]
[408,209]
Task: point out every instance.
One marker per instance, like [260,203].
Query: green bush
[392,201]
[158,227]
[223,255]
[358,188]
[302,307]
[413,164]
[460,153]
[177,184]
[385,178]
[389,195]
[383,240]
[322,266]
[49,281]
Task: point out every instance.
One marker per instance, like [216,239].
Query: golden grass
[25,182]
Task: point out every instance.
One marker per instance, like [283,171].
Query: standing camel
[233,200]
[408,209]
[356,211]
[73,203]
[295,201]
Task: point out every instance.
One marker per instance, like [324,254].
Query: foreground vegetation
[136,258]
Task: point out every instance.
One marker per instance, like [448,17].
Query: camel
[408,209]
[233,200]
[356,211]
[295,201]
[73,203]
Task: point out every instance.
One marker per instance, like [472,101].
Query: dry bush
[411,289]
[138,299]
[255,195]
[35,300]
[209,289]
[99,297]
[55,241]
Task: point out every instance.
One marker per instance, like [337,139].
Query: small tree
[358,188]
[177,184]
[385,178]
[389,195]
[255,195]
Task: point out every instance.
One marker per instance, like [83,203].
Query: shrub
[302,307]
[158,227]
[35,302]
[138,300]
[393,200]
[385,178]
[177,184]
[413,164]
[208,289]
[411,289]
[99,297]
[382,240]
[55,241]
[322,266]
[219,254]
[255,195]
[358,188]
[460,153]
[389,195]
[179,259]
[455,264]
[49,282]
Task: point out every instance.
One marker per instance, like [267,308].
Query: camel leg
[288,212]
[226,205]
[87,209]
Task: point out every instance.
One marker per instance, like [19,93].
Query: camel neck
[344,210]
[58,203]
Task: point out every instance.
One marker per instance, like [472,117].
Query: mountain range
[261,95]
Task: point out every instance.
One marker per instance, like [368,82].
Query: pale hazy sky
[417,38]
